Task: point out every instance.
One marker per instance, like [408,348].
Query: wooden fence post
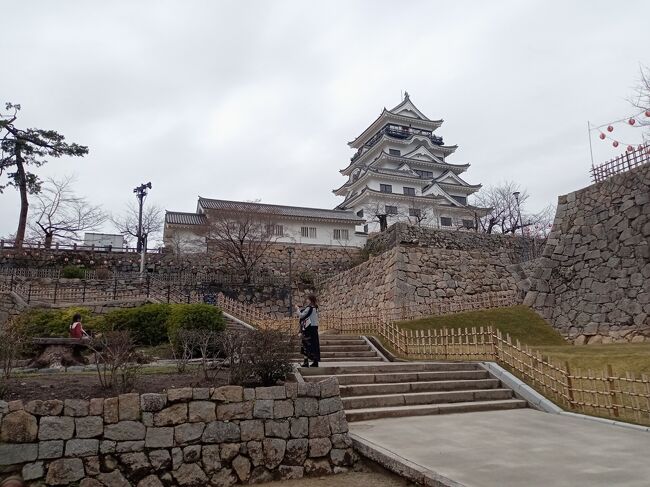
[569,384]
[612,390]
[56,289]
[83,292]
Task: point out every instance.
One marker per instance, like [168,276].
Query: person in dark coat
[309,331]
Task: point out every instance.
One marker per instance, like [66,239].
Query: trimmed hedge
[45,322]
[73,272]
[147,324]
[194,317]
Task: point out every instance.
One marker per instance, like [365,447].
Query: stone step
[331,341]
[420,398]
[399,367]
[374,358]
[406,387]
[321,373]
[423,410]
[340,337]
[344,348]
[365,353]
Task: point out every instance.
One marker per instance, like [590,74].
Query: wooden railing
[626,161]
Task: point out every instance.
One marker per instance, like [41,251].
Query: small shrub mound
[194,317]
[42,322]
[146,324]
[73,272]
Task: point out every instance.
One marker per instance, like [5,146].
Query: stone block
[111,410]
[263,409]
[52,407]
[289,472]
[202,411]
[150,481]
[252,430]
[96,407]
[33,471]
[221,432]
[188,433]
[129,446]
[273,392]
[329,405]
[255,452]
[296,452]
[235,410]
[224,478]
[329,387]
[56,428]
[125,431]
[147,419]
[19,427]
[299,427]
[190,474]
[249,394]
[211,458]
[341,441]
[242,467]
[65,471]
[319,427]
[277,428]
[161,437]
[201,394]
[179,395]
[107,446]
[129,407]
[92,465]
[317,466]
[291,390]
[113,479]
[308,389]
[228,394]
[81,447]
[14,453]
[50,449]
[274,449]
[160,459]
[16,405]
[283,409]
[260,475]
[153,402]
[338,422]
[319,447]
[90,482]
[89,426]
[76,407]
[192,453]
[172,415]
[229,451]
[306,406]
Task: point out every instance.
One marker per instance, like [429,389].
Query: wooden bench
[59,352]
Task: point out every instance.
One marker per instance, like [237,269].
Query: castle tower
[400,173]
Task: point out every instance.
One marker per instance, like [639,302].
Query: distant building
[287,224]
[104,240]
[400,173]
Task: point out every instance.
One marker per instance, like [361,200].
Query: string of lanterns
[609,128]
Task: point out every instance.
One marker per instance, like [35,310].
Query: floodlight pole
[141,193]
[290,251]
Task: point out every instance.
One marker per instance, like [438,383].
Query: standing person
[309,330]
[76,329]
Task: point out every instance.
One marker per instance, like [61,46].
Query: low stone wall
[221,436]
[593,281]
[10,305]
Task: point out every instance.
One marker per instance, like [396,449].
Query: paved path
[516,448]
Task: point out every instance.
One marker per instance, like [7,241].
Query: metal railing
[9,244]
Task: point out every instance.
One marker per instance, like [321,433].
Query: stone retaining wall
[220,437]
[593,281]
[10,305]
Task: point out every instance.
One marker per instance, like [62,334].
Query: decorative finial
[406,95]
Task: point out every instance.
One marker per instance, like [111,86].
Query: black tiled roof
[179,218]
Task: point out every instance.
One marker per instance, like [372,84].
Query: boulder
[19,427]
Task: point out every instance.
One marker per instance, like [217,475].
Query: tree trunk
[24,205]
[48,240]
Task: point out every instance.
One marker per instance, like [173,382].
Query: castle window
[409,191]
[424,174]
[360,213]
[394,152]
[445,221]
[341,234]
[468,224]
[461,199]
[391,210]
[308,232]
[386,188]
[275,230]
[416,212]
[365,228]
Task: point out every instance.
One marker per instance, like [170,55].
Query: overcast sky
[257,99]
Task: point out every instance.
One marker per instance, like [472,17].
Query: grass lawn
[520,322]
[529,328]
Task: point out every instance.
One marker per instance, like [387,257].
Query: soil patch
[86,385]
[369,474]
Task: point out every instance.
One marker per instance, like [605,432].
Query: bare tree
[58,212]
[504,214]
[127,222]
[242,238]
[21,149]
[419,214]
[641,99]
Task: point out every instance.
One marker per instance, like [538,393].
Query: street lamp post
[141,193]
[521,224]
[290,251]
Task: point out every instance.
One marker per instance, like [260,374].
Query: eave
[387,117]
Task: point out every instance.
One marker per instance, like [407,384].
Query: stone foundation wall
[222,436]
[593,282]
[422,267]
[10,305]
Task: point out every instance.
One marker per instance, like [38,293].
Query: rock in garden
[129,446]
[260,475]
[263,409]
[330,405]
[137,464]
[255,452]
[338,422]
[306,406]
[273,392]
[96,407]
[277,428]
[111,410]
[32,471]
[283,409]
[19,427]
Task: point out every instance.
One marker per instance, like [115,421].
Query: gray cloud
[257,99]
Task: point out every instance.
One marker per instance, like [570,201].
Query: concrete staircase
[399,389]
[344,348]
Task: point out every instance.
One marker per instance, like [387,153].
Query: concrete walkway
[516,448]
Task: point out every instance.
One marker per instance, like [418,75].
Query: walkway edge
[537,401]
[400,465]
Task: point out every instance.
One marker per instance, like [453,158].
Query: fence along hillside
[626,161]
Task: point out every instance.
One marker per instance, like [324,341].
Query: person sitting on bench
[76,329]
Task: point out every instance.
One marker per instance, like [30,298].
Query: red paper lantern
[615,143]
[647,113]
[630,148]
[602,136]
[631,121]
[610,128]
